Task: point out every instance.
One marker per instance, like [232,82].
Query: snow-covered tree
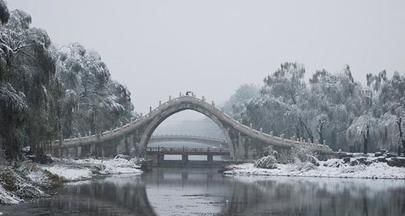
[93,102]
[332,107]
[236,103]
[46,92]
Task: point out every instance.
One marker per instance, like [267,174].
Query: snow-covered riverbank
[76,170]
[16,185]
[29,180]
[333,168]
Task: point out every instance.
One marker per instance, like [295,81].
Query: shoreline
[31,180]
[333,168]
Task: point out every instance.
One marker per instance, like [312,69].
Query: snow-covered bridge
[244,141]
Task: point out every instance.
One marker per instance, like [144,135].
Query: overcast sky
[159,48]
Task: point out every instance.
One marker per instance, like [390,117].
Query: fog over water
[159,48]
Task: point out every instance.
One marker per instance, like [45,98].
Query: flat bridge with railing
[188,151]
[156,154]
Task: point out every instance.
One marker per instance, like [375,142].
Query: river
[190,192]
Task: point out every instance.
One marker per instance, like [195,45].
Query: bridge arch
[177,108]
[245,142]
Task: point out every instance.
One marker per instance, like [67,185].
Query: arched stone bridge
[155,139]
[132,138]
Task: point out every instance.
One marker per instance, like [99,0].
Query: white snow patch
[334,169]
[83,169]
[7,197]
[113,166]
[69,173]
[37,176]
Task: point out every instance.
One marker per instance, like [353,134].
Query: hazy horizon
[159,48]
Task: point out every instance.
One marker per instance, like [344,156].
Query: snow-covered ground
[7,197]
[15,186]
[69,173]
[333,168]
[77,170]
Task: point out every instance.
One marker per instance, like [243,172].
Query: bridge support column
[210,158]
[81,152]
[75,152]
[184,158]
[92,150]
[160,158]
[67,152]
[102,152]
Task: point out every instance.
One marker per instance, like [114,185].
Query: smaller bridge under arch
[156,139]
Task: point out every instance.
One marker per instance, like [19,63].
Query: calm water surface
[200,192]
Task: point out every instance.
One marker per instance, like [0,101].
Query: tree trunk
[320,131]
[366,137]
[306,129]
[401,139]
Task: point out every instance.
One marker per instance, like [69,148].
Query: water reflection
[205,192]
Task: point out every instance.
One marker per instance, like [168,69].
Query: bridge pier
[83,151]
[66,152]
[75,152]
[92,150]
[101,152]
[184,158]
[158,159]
[210,158]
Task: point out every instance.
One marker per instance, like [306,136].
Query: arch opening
[187,131]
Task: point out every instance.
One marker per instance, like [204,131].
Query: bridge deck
[187,151]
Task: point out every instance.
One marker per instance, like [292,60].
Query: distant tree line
[331,108]
[49,92]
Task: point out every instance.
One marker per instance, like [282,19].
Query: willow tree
[28,79]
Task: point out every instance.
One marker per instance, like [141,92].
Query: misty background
[159,48]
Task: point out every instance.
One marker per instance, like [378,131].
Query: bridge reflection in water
[181,192]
